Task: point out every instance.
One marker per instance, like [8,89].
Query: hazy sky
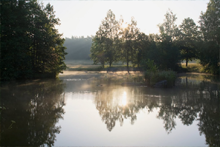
[82,18]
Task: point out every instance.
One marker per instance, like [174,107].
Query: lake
[110,109]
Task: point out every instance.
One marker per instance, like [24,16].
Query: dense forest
[113,42]
[78,48]
[30,45]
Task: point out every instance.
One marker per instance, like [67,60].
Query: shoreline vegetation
[88,66]
[31,46]
[152,76]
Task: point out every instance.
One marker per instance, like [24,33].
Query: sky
[83,18]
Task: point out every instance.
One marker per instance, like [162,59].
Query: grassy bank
[87,65]
[192,67]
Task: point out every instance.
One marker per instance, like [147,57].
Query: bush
[153,77]
[149,65]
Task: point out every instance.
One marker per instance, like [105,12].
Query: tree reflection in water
[36,108]
[190,100]
[116,105]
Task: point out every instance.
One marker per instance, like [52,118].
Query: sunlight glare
[124,99]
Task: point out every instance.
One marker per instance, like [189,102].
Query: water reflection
[36,107]
[191,100]
[31,112]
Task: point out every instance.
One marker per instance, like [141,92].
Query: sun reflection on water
[124,99]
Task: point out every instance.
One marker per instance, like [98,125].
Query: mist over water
[110,109]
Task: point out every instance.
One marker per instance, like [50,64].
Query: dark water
[94,109]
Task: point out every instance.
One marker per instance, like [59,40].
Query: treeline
[30,45]
[78,48]
[113,42]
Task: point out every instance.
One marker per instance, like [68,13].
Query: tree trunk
[103,65]
[187,56]
[186,62]
[127,67]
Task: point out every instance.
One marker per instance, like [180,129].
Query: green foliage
[165,55]
[150,66]
[141,43]
[30,43]
[163,48]
[209,45]
[209,57]
[113,43]
[168,29]
[97,51]
[153,77]
[169,55]
[188,39]
[168,50]
[104,47]
[129,39]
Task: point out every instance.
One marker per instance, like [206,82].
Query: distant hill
[78,48]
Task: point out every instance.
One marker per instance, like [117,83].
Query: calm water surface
[114,109]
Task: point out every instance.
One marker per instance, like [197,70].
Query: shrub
[149,65]
[153,77]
